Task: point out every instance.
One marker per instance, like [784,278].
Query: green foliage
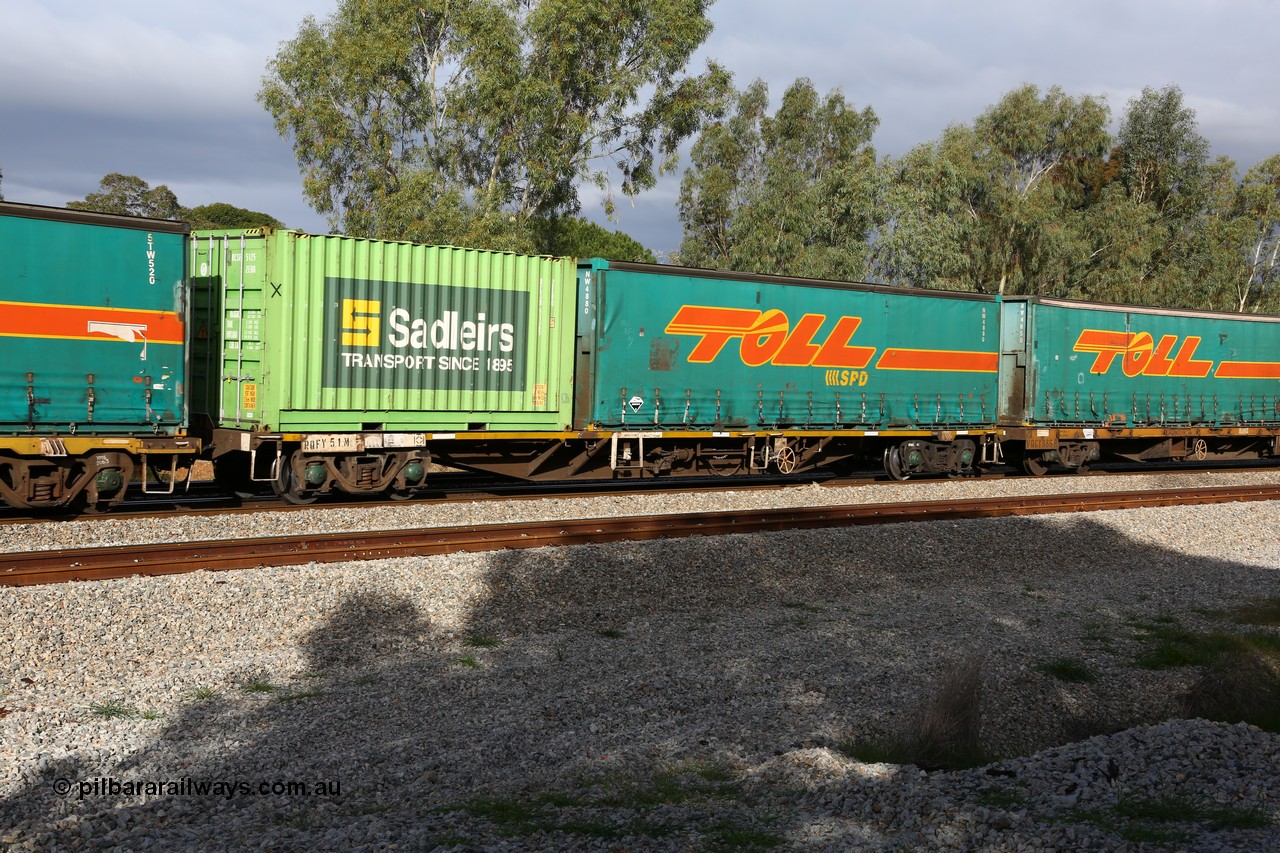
[131,196]
[1240,680]
[574,237]
[623,808]
[1069,670]
[482,641]
[258,686]
[457,121]
[1257,215]
[995,207]
[223,215]
[794,193]
[1168,818]
[112,710]
[1264,612]
[1036,197]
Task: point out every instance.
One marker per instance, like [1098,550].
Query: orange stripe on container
[959,361]
[86,322]
[1248,370]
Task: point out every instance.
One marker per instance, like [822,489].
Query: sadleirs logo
[361,322]
[403,335]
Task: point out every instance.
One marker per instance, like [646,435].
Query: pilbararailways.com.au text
[186,786]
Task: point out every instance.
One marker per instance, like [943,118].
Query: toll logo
[361,323]
[1140,354]
[767,337]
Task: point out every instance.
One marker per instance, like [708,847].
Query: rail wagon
[330,363]
[683,371]
[1081,380]
[93,356]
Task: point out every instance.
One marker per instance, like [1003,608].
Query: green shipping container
[301,333]
[1078,363]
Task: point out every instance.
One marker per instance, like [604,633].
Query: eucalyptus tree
[460,120]
[574,236]
[1163,158]
[132,196]
[793,193]
[996,206]
[1258,213]
[222,215]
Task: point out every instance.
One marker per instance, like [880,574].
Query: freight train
[323,364]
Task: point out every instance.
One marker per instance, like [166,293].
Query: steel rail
[28,568]
[204,501]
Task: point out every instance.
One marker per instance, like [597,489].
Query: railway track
[205,499]
[29,568]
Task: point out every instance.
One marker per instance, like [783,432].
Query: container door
[590,289]
[1014,359]
[227,314]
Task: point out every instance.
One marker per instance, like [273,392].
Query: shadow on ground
[633,697]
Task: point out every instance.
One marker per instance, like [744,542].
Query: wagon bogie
[955,458]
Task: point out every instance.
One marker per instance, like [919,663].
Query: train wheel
[1035,466]
[893,464]
[286,484]
[112,473]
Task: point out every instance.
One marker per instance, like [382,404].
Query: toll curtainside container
[673,347]
[1078,363]
[92,313]
[301,333]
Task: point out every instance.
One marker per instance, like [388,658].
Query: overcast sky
[167,91]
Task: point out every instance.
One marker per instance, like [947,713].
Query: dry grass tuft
[946,731]
[948,728]
[1244,685]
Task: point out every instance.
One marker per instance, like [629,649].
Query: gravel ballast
[669,695]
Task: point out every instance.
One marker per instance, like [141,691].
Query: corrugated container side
[1119,365]
[342,333]
[92,316]
[683,347]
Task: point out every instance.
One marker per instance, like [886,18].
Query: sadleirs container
[669,346]
[297,333]
[1080,363]
[92,311]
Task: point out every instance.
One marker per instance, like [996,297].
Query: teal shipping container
[679,348]
[92,319]
[1077,363]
